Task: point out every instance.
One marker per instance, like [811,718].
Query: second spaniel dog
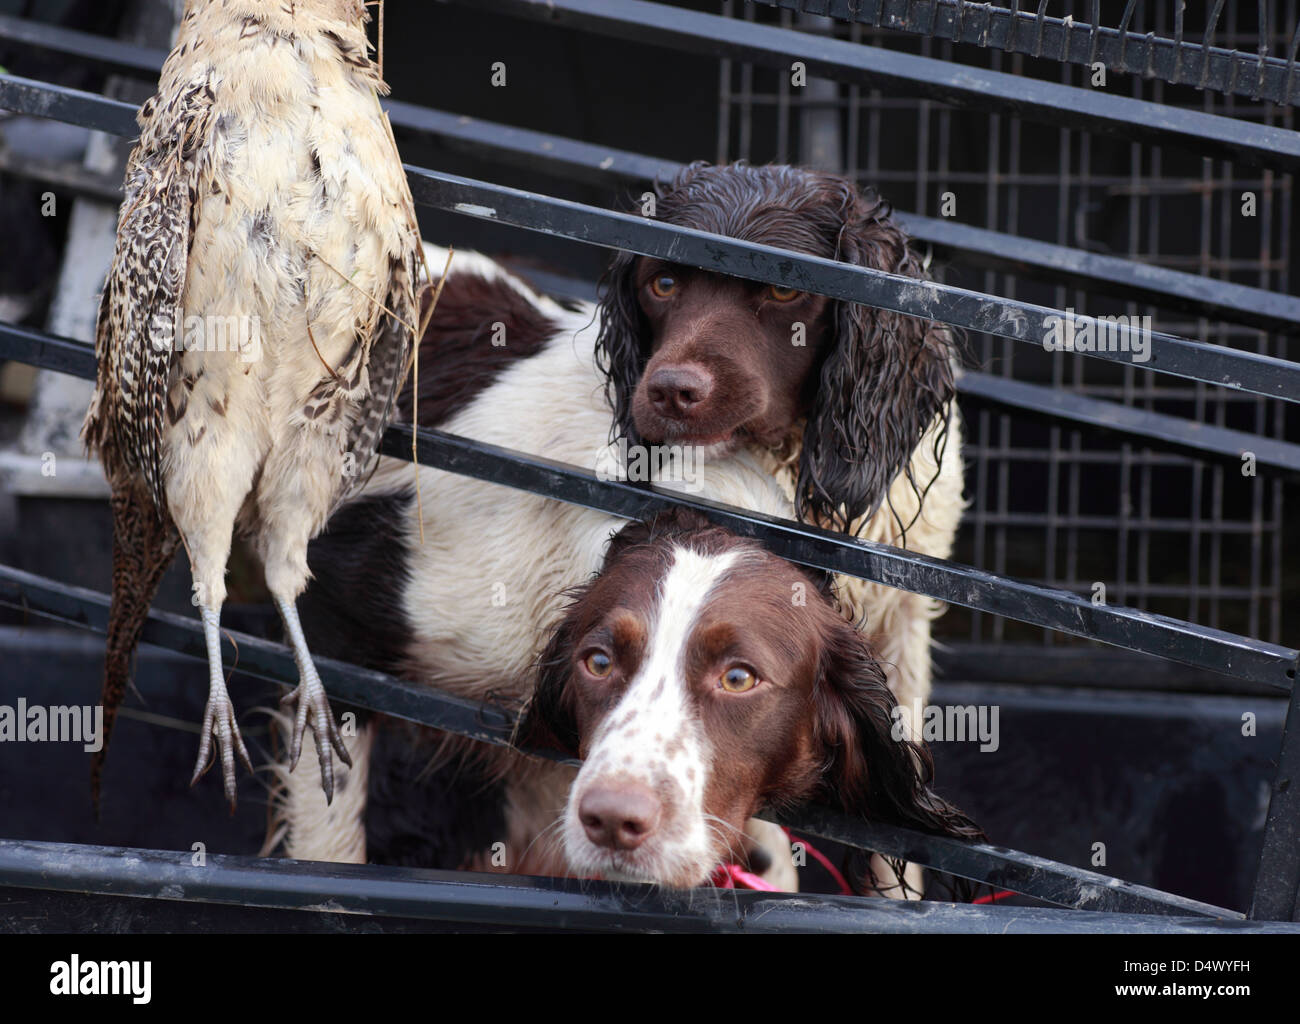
[702,679]
[776,400]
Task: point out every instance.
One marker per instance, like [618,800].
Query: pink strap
[993,897]
[733,876]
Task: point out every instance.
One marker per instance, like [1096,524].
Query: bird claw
[309,696]
[219,720]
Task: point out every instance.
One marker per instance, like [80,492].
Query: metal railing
[1243,657]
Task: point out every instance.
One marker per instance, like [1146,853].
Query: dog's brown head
[693,357]
[703,679]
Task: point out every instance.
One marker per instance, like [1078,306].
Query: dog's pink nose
[675,390]
[619,817]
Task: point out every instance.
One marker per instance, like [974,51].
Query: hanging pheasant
[255,327]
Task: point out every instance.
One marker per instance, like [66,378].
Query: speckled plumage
[255,325]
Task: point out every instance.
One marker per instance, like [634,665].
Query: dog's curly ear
[884,381]
[874,772]
[623,341]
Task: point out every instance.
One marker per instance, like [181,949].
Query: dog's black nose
[619,816]
[675,390]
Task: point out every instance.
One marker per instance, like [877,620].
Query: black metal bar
[1020,872]
[1059,264]
[36,348]
[516,901]
[99,50]
[72,106]
[262,659]
[571,159]
[905,74]
[975,311]
[1061,884]
[597,164]
[1202,439]
[583,161]
[520,146]
[879,563]
[1277,881]
[896,72]
[1076,42]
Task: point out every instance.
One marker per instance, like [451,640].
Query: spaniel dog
[702,679]
[763,397]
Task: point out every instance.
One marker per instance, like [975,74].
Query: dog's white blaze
[653,735]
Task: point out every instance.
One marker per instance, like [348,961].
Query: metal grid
[1163,532]
[1194,53]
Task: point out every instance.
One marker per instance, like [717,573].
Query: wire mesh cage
[1165,532]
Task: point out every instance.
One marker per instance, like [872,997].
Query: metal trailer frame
[1176,61]
[456,897]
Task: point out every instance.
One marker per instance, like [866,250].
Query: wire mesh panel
[1149,528]
[1199,49]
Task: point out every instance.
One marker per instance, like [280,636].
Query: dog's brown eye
[738,679]
[598,663]
[775,291]
[663,285]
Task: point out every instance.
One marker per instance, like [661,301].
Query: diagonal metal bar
[947,581]
[263,659]
[905,74]
[1201,439]
[522,146]
[102,51]
[1077,42]
[1056,883]
[1050,881]
[38,349]
[1009,318]
[587,162]
[1059,264]
[1277,880]
[71,106]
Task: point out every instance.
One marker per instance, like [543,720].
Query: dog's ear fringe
[887,381]
[547,720]
[871,774]
[621,342]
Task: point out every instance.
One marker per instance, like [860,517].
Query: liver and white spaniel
[702,679]
[769,399]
